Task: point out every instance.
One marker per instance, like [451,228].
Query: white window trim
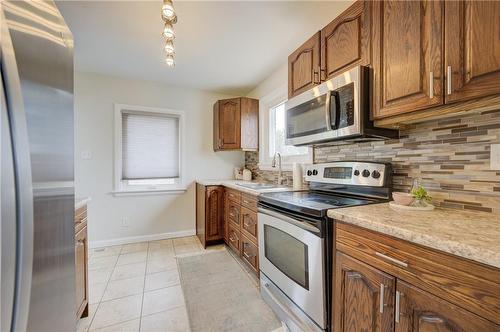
[265,104]
[121,188]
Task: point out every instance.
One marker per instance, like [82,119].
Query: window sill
[142,192]
[287,167]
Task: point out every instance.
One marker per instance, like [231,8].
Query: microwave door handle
[334,100]
[327,111]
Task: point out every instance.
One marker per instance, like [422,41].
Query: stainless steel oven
[337,110]
[291,254]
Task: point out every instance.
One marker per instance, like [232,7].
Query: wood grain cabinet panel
[236,124]
[472,49]
[249,223]
[234,210]
[407,52]
[250,253]
[210,226]
[234,238]
[346,41]
[81,272]
[304,66]
[420,311]
[363,296]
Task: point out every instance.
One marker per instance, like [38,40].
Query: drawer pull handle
[398,305]
[381,304]
[392,260]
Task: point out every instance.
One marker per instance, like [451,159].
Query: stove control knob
[375,174]
[356,172]
[366,173]
[309,173]
[315,172]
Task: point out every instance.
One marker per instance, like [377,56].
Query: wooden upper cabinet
[346,41]
[236,124]
[423,312]
[472,49]
[358,289]
[304,66]
[407,56]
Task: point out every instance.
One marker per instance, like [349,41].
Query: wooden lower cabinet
[358,290]
[81,263]
[420,311]
[234,238]
[209,214]
[423,289]
[250,253]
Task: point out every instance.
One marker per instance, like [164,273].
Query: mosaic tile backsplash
[451,156]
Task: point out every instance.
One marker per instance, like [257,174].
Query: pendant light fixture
[169,17]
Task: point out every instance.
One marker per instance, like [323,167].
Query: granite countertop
[81,201]
[472,235]
[233,184]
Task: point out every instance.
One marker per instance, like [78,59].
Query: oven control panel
[348,173]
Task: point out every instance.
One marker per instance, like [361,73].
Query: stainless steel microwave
[336,111]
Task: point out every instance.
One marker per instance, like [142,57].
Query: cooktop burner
[310,202]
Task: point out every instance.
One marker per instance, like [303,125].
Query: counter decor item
[238,173]
[247,174]
[297,176]
[417,200]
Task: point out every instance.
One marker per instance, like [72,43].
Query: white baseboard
[141,238]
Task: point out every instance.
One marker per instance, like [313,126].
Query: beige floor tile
[83,324]
[174,320]
[162,299]
[107,262]
[96,291]
[124,287]
[188,249]
[134,247]
[130,326]
[106,251]
[161,264]
[129,271]
[135,257]
[117,311]
[185,240]
[99,275]
[161,253]
[161,280]
[161,244]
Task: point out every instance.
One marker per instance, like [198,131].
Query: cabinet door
[250,253]
[249,223]
[229,124]
[81,276]
[303,66]
[407,56]
[214,213]
[420,311]
[472,49]
[234,238]
[345,42]
[363,297]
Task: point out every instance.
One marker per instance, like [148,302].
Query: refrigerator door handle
[23,181]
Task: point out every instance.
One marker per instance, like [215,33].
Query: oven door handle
[299,223]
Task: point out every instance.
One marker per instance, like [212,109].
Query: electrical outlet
[86,154]
[495,157]
[125,222]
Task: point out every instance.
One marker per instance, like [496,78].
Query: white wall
[274,81]
[151,215]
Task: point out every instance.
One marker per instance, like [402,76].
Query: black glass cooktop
[310,202]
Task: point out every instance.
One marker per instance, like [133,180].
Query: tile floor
[136,287]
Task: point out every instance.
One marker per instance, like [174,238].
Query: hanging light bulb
[169,47]
[168,31]
[170,60]
[167,11]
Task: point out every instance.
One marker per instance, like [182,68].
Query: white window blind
[150,146]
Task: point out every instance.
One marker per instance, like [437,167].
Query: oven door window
[307,119]
[287,254]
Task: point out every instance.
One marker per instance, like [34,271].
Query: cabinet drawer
[81,275]
[233,195]
[250,253]
[468,284]
[249,201]
[249,223]
[233,213]
[234,238]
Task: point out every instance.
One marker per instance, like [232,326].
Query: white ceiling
[223,46]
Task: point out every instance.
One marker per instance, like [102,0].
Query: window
[148,149]
[272,135]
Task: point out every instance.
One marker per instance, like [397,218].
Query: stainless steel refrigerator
[37,189]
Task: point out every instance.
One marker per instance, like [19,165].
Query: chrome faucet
[273,164]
